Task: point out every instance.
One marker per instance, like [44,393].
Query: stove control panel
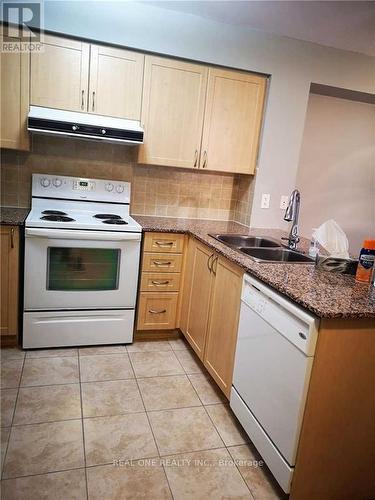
[77,188]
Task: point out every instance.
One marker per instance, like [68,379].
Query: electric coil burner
[107,216]
[53,212]
[57,218]
[82,252]
[115,221]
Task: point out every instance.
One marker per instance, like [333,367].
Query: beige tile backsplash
[161,191]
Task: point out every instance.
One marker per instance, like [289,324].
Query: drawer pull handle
[161,263]
[160,282]
[164,243]
[12,238]
[157,312]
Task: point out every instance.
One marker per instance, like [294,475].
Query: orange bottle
[366,261]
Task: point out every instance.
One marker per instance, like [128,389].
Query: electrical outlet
[265,203]
[284,200]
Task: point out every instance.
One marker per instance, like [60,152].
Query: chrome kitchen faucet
[291,215]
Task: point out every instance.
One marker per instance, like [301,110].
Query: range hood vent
[84,126]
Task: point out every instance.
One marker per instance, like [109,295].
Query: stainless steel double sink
[263,249]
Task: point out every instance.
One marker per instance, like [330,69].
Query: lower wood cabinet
[157,311]
[9,284]
[210,310]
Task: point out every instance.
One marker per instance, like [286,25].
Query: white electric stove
[82,252]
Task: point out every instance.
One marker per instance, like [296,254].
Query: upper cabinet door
[116,78]
[14,100]
[59,74]
[172,112]
[232,122]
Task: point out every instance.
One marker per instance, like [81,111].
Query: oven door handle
[81,235]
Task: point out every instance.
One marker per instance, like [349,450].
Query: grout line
[43,473]
[14,412]
[238,468]
[82,425]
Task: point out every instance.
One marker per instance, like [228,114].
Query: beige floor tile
[205,475]
[50,371]
[128,482]
[48,404]
[183,430]
[256,474]
[124,437]
[4,433]
[179,345]
[8,401]
[190,362]
[155,364]
[161,345]
[106,349]
[57,486]
[11,353]
[11,373]
[105,367]
[206,388]
[227,425]
[52,353]
[160,393]
[41,448]
[110,398]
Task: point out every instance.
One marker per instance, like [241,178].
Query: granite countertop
[328,295]
[12,216]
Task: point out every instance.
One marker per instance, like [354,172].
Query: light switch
[284,200]
[265,203]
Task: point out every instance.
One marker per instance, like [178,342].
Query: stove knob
[75,128]
[109,186]
[45,182]
[104,131]
[57,182]
[120,188]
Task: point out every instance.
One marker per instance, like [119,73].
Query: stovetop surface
[68,214]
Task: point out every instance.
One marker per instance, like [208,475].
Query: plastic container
[366,261]
[313,249]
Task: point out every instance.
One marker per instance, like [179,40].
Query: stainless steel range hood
[84,126]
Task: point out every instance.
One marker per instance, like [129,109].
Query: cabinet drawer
[160,282]
[161,262]
[163,242]
[157,311]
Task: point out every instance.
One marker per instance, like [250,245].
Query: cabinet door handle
[209,262]
[164,243]
[204,160]
[93,101]
[152,311]
[196,158]
[154,282]
[12,238]
[161,263]
[83,100]
[213,264]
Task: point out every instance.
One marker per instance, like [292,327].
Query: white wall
[292,64]
[336,174]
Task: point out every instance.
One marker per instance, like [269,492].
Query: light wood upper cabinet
[232,121]
[196,295]
[116,78]
[77,76]
[172,112]
[59,74]
[14,100]
[9,239]
[222,331]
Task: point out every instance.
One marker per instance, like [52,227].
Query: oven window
[83,269]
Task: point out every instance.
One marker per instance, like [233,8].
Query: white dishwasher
[275,349]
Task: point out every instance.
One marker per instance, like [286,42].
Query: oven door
[73,269]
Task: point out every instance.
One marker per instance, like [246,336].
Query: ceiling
[348,25]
